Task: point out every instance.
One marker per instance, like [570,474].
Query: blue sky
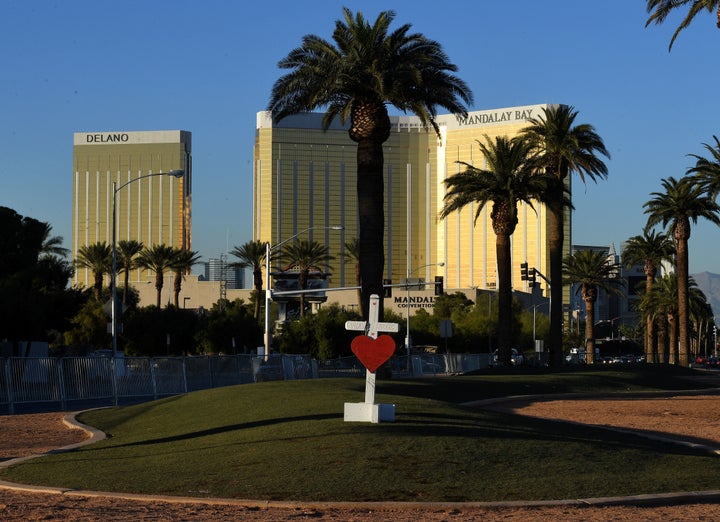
[208,67]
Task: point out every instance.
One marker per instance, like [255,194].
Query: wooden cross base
[364,412]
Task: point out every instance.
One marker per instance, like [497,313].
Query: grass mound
[288,441]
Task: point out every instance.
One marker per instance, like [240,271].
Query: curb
[70,421]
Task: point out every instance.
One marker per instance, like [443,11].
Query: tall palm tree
[355,78]
[97,257]
[563,147]
[303,256]
[252,256]
[681,203]
[352,250]
[508,179]
[706,171]
[182,263]
[592,271]
[127,249]
[159,258]
[660,9]
[649,249]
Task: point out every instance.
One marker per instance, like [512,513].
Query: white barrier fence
[80,382]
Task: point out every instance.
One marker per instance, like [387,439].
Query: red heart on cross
[373,353]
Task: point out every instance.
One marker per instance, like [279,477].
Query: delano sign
[127,138]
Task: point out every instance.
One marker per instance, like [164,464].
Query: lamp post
[408,340]
[113,285]
[535,307]
[269,249]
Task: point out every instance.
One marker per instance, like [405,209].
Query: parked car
[516,358]
[701,360]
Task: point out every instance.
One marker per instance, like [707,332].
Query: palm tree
[97,257]
[182,263]
[681,203]
[592,271]
[651,311]
[127,249]
[352,248]
[52,245]
[252,256]
[664,302]
[650,249]
[701,319]
[664,299]
[305,255]
[660,9]
[355,78]
[508,179]
[159,258]
[563,147]
[706,172]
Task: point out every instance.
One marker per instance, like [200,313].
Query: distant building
[219,270]
[607,306]
[154,210]
[305,178]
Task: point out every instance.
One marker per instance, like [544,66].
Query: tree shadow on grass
[530,430]
[222,429]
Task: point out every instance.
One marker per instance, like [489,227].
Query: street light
[408,340]
[175,174]
[535,307]
[268,249]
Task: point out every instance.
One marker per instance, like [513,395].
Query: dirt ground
[692,418]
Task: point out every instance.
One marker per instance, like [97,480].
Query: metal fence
[49,383]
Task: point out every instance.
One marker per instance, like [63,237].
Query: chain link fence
[71,383]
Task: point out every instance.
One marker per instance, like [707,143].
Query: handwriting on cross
[371,329]
[372,326]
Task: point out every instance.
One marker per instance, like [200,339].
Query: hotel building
[155,209]
[305,177]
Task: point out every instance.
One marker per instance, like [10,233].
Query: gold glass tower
[305,177]
[154,210]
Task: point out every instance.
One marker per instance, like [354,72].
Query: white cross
[371,329]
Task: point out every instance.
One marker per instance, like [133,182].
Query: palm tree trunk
[302,280]
[683,306]
[555,246]
[126,280]
[371,216]
[158,286]
[649,340]
[649,345]
[672,338]
[98,285]
[661,339]
[177,287]
[590,331]
[502,248]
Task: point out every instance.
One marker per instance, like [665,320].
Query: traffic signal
[523,271]
[531,278]
[439,290]
[387,288]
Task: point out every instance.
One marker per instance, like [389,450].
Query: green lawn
[288,441]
